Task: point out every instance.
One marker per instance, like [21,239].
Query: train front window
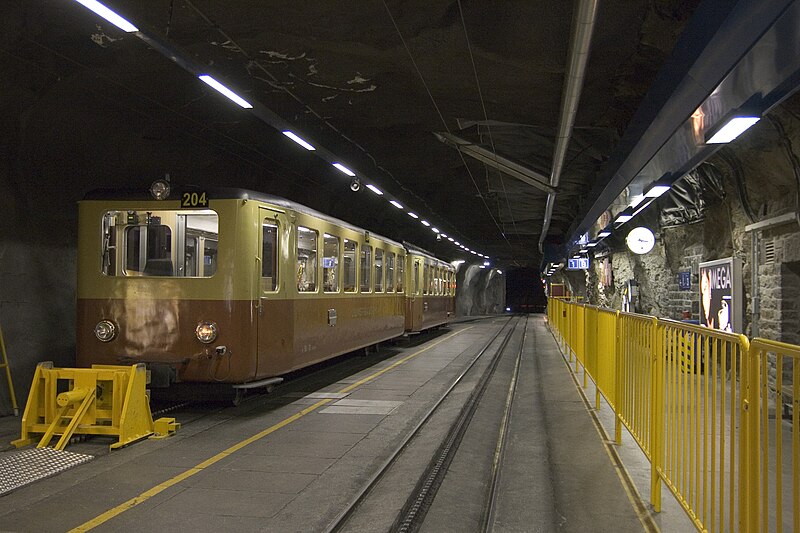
[306,259]
[349,268]
[162,243]
[330,263]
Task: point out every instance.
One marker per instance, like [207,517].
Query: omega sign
[720,299]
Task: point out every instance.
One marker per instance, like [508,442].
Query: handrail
[697,402]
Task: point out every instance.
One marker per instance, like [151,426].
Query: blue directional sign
[685,281]
[578,263]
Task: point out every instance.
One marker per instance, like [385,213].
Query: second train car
[234,286]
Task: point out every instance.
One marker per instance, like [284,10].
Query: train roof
[411,248]
[228,193]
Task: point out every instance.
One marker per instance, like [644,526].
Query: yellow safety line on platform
[645,517]
[161,487]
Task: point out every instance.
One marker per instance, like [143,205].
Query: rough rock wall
[760,176]
[479,291]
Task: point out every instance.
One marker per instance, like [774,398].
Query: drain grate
[18,469]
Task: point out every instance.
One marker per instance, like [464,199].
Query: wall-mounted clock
[640,240]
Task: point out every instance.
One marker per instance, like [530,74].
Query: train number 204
[194,199]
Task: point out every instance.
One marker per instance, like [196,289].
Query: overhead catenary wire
[276,84]
[444,122]
[486,118]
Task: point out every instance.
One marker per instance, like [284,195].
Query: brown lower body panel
[282,336]
[423,312]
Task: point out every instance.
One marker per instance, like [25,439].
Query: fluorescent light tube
[604,233]
[623,218]
[397,204]
[413,215]
[732,129]
[344,169]
[109,15]
[636,200]
[435,230]
[225,91]
[374,189]
[425,223]
[451,239]
[444,235]
[656,191]
[298,140]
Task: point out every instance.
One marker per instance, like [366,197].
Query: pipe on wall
[580,40]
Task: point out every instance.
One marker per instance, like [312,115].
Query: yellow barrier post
[618,381]
[656,413]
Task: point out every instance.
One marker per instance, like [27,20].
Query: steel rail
[502,438]
[413,513]
[337,523]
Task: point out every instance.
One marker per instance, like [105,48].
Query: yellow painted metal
[164,427]
[102,400]
[773,443]
[4,364]
[697,401]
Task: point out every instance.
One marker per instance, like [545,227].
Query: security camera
[355,185]
[438,237]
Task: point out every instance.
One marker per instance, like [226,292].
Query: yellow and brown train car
[238,287]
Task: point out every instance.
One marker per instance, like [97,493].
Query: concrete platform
[292,460]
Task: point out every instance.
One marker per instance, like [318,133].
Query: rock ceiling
[88,105]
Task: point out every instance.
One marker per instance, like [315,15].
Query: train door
[273,310]
[416,293]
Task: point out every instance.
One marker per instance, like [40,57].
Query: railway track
[506,345]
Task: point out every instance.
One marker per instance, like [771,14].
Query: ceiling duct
[580,40]
[506,166]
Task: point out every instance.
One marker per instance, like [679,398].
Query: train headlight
[160,189]
[206,332]
[105,331]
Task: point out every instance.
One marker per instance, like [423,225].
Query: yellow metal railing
[703,409]
[773,443]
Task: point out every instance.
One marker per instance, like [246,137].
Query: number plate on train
[194,199]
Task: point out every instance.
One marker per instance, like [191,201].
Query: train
[238,287]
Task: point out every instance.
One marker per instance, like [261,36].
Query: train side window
[330,263]
[389,271]
[401,272]
[306,259]
[269,255]
[426,276]
[366,268]
[416,287]
[349,268]
[378,270]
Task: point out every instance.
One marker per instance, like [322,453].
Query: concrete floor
[292,460]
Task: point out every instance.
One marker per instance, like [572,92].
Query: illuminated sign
[720,294]
[579,263]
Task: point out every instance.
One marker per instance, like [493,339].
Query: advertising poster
[720,294]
